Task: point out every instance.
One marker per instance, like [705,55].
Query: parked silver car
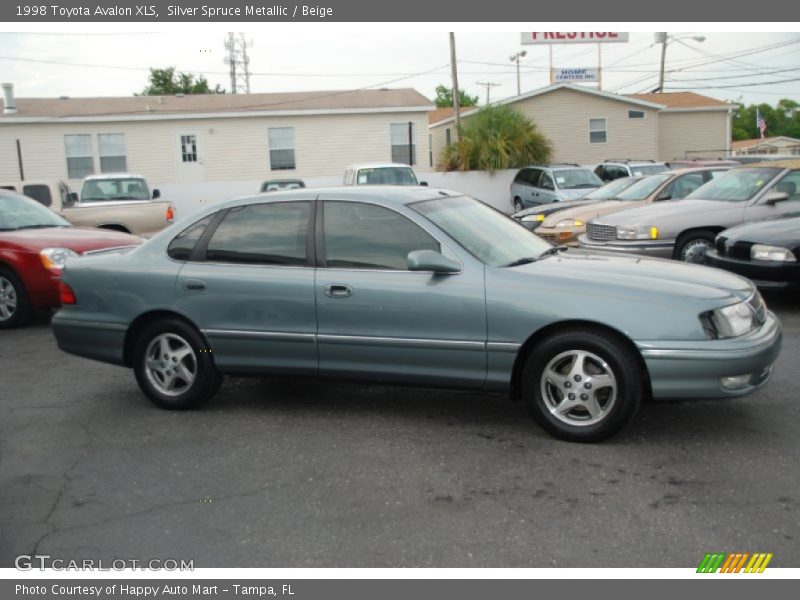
[415,286]
[540,184]
[685,229]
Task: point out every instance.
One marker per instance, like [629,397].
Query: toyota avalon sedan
[414,286]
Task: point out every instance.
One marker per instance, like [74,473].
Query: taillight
[66,294]
[170,214]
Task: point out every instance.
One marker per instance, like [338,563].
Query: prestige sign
[575,74]
[573,37]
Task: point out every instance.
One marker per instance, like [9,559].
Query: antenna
[238,62]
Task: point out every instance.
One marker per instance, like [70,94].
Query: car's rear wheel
[15,307]
[691,247]
[518,205]
[582,385]
[174,366]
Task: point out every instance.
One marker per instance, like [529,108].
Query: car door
[546,189]
[378,320]
[249,286]
[790,185]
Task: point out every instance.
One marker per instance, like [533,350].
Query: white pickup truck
[118,201]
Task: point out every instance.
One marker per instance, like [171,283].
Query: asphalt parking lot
[277,474]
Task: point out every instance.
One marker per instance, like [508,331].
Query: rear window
[648,169]
[386,176]
[40,193]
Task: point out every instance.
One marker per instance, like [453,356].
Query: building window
[80,161]
[403,146]
[189,148]
[447,137]
[281,148]
[112,152]
[597,131]
[636,114]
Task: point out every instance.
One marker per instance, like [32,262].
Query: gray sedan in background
[413,286]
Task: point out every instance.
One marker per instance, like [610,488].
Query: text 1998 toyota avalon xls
[416,286]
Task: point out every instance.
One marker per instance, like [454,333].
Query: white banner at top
[573,37]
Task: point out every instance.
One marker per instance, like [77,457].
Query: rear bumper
[90,339]
[765,273]
[656,249]
[696,369]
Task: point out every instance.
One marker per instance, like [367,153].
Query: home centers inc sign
[573,37]
[576,74]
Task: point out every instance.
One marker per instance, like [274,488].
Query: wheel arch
[121,227]
[139,323]
[530,344]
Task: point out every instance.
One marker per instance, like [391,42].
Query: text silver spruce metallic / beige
[413,286]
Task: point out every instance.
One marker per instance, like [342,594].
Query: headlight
[731,321]
[637,232]
[532,218]
[570,223]
[762,252]
[54,259]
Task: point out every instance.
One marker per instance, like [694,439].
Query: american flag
[761,124]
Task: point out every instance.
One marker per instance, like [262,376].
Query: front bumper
[657,249]
[696,369]
[560,235]
[769,274]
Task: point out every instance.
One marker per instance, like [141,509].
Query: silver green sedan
[413,286]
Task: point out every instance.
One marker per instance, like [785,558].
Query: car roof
[378,194]
[377,165]
[113,176]
[283,180]
[791,163]
[627,161]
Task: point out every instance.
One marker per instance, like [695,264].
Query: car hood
[546,209]
[78,239]
[591,211]
[660,213]
[778,231]
[662,282]
[575,193]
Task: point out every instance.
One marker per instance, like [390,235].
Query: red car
[35,243]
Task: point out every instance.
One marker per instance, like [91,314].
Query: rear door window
[182,246]
[40,193]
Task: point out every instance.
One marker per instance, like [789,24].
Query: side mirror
[430,260]
[774,197]
[71,200]
[156,194]
[424,183]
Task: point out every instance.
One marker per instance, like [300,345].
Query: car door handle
[337,290]
[194,285]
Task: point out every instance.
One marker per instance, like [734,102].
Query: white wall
[187,198]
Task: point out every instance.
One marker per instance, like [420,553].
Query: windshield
[642,188]
[611,189]
[124,188]
[576,178]
[487,234]
[386,176]
[20,213]
[738,185]
[648,169]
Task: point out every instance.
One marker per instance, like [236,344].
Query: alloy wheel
[170,364]
[8,299]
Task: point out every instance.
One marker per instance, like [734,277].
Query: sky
[303,59]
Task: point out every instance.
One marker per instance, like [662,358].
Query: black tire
[13,291]
[155,379]
[613,409]
[691,246]
[518,205]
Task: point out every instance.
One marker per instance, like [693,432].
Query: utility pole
[662,37]
[238,62]
[489,85]
[454,75]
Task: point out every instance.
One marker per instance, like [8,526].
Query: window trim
[270,149]
[414,144]
[642,112]
[605,130]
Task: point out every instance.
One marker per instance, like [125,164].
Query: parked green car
[413,286]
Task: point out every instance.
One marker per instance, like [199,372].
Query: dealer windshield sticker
[736,562]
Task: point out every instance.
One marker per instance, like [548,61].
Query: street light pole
[515,58]
[665,38]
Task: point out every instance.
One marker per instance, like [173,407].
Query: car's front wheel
[691,247]
[14,304]
[173,365]
[582,385]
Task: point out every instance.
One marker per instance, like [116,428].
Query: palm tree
[496,137]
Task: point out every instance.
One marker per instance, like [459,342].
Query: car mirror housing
[774,197]
[156,194]
[430,260]
[71,199]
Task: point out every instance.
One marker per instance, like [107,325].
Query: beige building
[587,126]
[215,137]
[769,145]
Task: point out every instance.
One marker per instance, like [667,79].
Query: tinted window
[182,246]
[533,176]
[40,193]
[371,237]
[522,176]
[265,234]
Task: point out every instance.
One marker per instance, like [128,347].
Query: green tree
[167,82]
[783,119]
[496,137]
[444,97]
